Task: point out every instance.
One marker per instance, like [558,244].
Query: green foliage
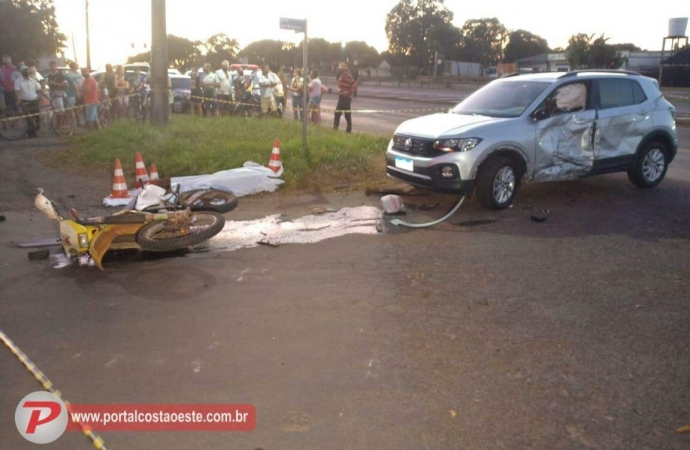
[523,44]
[483,41]
[418,28]
[220,47]
[586,52]
[195,146]
[28,29]
[271,52]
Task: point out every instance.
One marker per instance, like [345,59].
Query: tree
[365,55]
[271,52]
[578,50]
[410,28]
[28,29]
[603,55]
[183,52]
[483,41]
[585,52]
[523,44]
[626,47]
[220,47]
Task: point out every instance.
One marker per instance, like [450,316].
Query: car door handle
[642,113]
[581,121]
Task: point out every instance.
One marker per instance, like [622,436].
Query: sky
[118,25]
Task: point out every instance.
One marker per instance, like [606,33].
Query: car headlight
[459,145]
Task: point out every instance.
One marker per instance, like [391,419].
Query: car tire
[650,165]
[497,183]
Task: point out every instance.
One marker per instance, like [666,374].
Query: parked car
[181,86]
[539,127]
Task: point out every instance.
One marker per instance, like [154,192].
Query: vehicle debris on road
[542,217]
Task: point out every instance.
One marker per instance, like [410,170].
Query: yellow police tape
[48,386]
[287,108]
[74,108]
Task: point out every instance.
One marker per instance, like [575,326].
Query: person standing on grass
[347,88]
[122,91]
[195,99]
[210,83]
[316,90]
[240,85]
[278,92]
[7,76]
[297,89]
[267,83]
[225,88]
[110,84]
[73,99]
[27,92]
[90,91]
[57,86]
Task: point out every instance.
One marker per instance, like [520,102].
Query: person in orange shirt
[90,91]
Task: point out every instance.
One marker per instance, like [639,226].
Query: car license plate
[404,163]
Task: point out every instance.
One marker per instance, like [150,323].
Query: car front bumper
[428,176]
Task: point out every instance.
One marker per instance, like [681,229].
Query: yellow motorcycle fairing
[75,238]
[104,237]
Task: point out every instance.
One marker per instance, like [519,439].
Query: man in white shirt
[209,84]
[266,86]
[27,89]
[225,89]
[279,93]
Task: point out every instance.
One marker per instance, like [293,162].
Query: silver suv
[539,127]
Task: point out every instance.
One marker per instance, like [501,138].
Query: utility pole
[159,65]
[88,38]
[304,91]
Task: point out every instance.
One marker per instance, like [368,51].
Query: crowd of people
[26,91]
[222,92]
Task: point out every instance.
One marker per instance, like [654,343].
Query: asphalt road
[399,104]
[489,331]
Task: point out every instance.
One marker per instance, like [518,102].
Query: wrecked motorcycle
[157,220]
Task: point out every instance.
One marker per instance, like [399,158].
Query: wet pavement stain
[306,230]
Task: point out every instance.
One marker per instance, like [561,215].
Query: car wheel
[650,166]
[497,183]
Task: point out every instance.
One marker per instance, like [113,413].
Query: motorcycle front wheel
[165,236]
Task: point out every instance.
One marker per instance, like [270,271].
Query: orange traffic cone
[119,184]
[140,172]
[274,163]
[153,173]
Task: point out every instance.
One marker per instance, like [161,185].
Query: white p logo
[41,417]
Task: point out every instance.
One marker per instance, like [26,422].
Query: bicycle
[104,114]
[12,125]
[138,107]
[62,122]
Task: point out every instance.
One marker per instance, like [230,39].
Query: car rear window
[615,93]
[638,93]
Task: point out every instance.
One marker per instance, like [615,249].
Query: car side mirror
[540,114]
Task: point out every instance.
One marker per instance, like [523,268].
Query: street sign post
[300,26]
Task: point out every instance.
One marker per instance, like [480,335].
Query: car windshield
[502,99]
[181,83]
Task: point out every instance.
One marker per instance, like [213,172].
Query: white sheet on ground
[250,179]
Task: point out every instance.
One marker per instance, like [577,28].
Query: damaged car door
[565,123]
[623,120]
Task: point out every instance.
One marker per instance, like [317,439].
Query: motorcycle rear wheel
[166,237]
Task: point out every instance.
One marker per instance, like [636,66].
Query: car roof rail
[575,73]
